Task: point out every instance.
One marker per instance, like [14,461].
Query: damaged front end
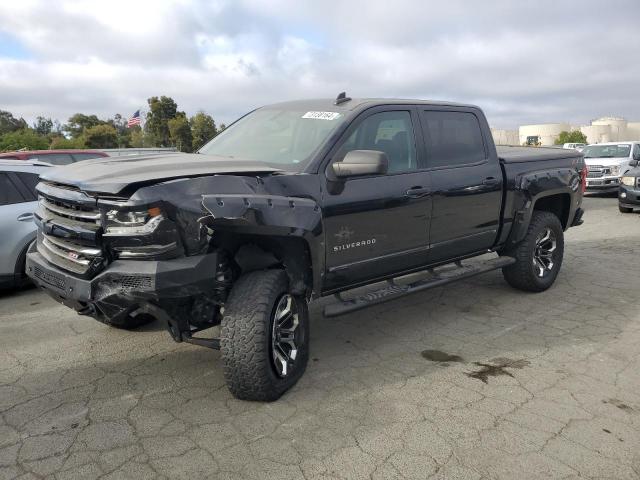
[168,251]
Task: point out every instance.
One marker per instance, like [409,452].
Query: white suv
[607,162]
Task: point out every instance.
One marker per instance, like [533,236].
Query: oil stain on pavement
[497,367]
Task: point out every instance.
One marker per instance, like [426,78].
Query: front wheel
[538,256]
[625,209]
[264,339]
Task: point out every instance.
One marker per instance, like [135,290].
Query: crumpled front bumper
[126,285]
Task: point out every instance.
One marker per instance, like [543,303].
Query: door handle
[490,181]
[417,192]
[25,217]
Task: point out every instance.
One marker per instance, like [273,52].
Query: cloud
[522,62]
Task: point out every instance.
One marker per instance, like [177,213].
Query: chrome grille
[68,255]
[67,210]
[597,171]
[70,228]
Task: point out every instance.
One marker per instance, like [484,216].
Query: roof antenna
[342,98]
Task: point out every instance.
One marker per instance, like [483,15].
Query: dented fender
[288,215]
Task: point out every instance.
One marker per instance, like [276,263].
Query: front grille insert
[49,278]
[597,171]
[137,282]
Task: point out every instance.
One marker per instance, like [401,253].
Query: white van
[607,162]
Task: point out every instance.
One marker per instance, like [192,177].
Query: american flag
[134,120]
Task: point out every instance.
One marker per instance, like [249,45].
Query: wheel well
[258,252]
[559,205]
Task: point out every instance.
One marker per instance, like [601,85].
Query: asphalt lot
[474,380]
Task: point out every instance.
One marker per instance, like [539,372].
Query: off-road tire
[245,337]
[625,209]
[522,274]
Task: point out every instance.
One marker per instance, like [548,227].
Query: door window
[453,138]
[9,194]
[388,132]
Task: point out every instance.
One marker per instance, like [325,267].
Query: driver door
[377,226]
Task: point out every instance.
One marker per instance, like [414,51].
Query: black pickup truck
[293,202]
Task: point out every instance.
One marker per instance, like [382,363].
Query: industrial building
[605,129]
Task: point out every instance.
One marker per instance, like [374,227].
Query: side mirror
[361,162]
[633,163]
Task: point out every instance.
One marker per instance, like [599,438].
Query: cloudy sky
[523,62]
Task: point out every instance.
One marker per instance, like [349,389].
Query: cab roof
[329,104]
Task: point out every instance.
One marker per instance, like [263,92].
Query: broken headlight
[141,234]
[134,222]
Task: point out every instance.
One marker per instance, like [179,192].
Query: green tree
[80,122]
[8,123]
[124,133]
[101,136]
[575,136]
[222,128]
[180,132]
[24,138]
[161,110]
[203,129]
[136,137]
[62,142]
[43,126]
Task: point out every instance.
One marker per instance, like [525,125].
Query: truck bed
[531,154]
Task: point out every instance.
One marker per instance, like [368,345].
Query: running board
[435,279]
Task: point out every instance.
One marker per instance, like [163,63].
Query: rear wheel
[264,338]
[625,209]
[538,256]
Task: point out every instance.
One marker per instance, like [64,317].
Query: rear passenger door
[466,182]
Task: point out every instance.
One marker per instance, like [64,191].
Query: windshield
[606,151]
[284,139]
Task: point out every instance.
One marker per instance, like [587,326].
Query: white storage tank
[545,133]
[597,133]
[618,131]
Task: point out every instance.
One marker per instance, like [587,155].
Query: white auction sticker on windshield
[321,115]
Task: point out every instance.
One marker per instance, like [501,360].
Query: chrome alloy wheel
[284,346]
[544,251]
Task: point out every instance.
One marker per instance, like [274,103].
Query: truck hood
[607,162]
[113,174]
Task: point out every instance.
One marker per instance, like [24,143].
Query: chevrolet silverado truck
[293,202]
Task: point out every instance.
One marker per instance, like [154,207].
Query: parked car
[629,194]
[608,162]
[293,202]
[574,146]
[54,157]
[18,180]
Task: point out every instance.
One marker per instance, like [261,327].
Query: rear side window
[53,158]
[9,194]
[85,156]
[453,138]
